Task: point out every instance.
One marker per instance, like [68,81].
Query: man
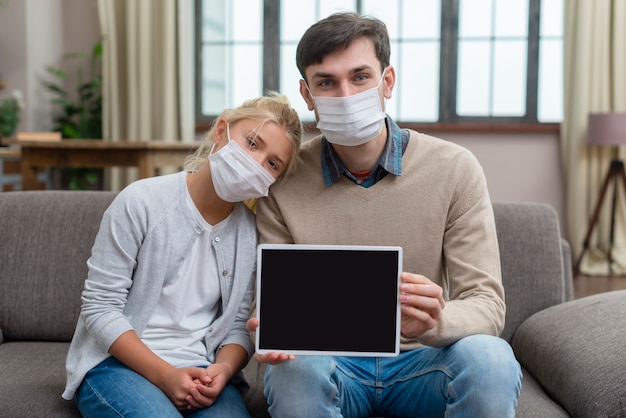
[365,181]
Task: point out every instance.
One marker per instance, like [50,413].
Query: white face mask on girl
[350,120]
[236,175]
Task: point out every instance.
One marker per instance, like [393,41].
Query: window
[231,53]
[478,61]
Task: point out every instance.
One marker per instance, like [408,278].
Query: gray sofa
[573,352]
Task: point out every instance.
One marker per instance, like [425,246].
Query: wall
[520,167]
[36,33]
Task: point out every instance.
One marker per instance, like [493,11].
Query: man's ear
[219,131]
[304,91]
[389,80]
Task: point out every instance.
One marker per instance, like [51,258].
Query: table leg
[146,165]
[29,176]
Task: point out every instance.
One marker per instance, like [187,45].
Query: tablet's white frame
[304,247]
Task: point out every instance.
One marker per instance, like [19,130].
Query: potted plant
[80,114]
[10,108]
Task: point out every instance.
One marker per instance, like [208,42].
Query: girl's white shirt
[189,303]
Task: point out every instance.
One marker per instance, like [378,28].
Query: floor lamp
[606,129]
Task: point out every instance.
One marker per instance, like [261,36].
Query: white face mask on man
[350,120]
[236,175]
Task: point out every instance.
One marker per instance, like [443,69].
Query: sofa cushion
[43,262]
[33,377]
[576,350]
[254,398]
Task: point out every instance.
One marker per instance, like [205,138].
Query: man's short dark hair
[338,31]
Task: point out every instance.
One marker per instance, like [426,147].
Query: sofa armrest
[536,273]
[575,350]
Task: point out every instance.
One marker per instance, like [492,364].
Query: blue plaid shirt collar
[389,162]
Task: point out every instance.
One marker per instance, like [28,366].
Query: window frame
[449,119]
[449,69]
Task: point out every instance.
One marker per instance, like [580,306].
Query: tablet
[328,299]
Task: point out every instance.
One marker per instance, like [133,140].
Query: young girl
[170,283]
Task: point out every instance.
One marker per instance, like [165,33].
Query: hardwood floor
[589,285]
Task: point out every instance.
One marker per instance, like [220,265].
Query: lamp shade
[606,128]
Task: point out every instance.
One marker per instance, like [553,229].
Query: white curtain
[147,73]
[595,81]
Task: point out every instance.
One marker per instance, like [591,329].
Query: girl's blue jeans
[113,390]
[478,376]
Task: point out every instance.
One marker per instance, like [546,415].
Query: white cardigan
[144,236]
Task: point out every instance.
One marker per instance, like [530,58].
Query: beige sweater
[438,211]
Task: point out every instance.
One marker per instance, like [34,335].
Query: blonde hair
[273,107]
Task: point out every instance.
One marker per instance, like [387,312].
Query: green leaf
[57,72]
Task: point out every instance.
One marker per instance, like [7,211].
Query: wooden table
[148,156]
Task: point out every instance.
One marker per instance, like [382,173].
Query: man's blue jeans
[478,376]
[113,390]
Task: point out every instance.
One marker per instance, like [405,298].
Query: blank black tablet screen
[339,300]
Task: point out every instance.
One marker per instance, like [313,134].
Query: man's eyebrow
[320,74]
[361,69]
